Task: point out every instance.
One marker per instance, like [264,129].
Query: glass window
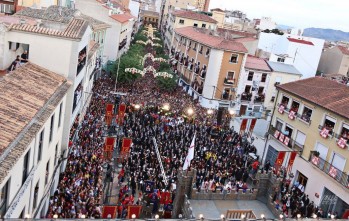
[306,115]
[295,106]
[264,77]
[203,25]
[234,58]
[281,59]
[60,114]
[52,127]
[250,76]
[195,25]
[285,101]
[279,125]
[41,143]
[181,21]
[329,124]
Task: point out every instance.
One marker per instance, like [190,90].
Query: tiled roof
[236,33]
[283,68]
[75,29]
[256,64]
[343,49]
[28,97]
[122,18]
[300,41]
[326,93]
[245,39]
[57,15]
[201,36]
[194,16]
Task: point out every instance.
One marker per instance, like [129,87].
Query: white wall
[318,180]
[212,74]
[22,197]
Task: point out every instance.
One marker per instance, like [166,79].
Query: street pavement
[212,209]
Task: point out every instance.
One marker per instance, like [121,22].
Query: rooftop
[343,49]
[201,35]
[300,41]
[194,16]
[236,33]
[122,18]
[29,95]
[256,64]
[54,20]
[326,93]
[283,68]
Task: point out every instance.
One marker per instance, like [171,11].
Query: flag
[126,145]
[253,123]
[291,160]
[243,125]
[279,159]
[190,155]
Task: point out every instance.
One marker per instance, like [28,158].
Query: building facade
[209,67]
[302,52]
[32,121]
[252,87]
[179,19]
[311,119]
[335,61]
[281,74]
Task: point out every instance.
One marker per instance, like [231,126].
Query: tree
[167,84]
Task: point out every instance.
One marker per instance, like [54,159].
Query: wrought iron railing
[332,171]
[291,142]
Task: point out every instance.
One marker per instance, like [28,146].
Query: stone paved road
[212,209]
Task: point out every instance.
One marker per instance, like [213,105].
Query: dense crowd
[81,184]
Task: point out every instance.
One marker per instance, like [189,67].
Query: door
[300,139]
[271,155]
[243,110]
[322,149]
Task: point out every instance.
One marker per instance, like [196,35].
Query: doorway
[242,110]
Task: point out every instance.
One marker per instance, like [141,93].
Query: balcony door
[322,149]
[338,161]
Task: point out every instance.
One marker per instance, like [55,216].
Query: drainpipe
[272,115]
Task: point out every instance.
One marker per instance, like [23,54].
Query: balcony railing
[326,167]
[285,140]
[246,96]
[259,98]
[229,81]
[186,79]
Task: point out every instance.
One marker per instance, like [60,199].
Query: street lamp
[137,106]
[209,111]
[190,111]
[166,107]
[231,112]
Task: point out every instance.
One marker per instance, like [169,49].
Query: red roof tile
[245,39]
[235,32]
[256,64]
[200,36]
[343,49]
[122,18]
[300,41]
[326,93]
[194,16]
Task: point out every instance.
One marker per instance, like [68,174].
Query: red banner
[109,110]
[333,172]
[243,125]
[292,115]
[253,123]
[109,212]
[281,137]
[126,145]
[315,160]
[121,113]
[109,144]
[279,159]
[136,210]
[276,134]
[281,109]
[291,161]
[286,140]
[342,143]
[165,198]
[324,132]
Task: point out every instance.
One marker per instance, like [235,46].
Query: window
[288,130]
[285,100]
[203,25]
[51,127]
[295,106]
[306,115]
[329,124]
[225,94]
[194,48]
[230,75]
[345,131]
[250,76]
[201,49]
[36,193]
[56,157]
[4,198]
[207,52]
[264,77]
[60,114]
[41,141]
[25,167]
[279,125]
[195,25]
[280,59]
[234,58]
[248,89]
[272,98]
[181,21]
[47,174]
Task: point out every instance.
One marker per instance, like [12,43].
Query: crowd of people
[79,191]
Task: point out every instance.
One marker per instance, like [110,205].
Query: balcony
[325,132]
[81,61]
[203,74]
[186,79]
[259,98]
[285,140]
[229,81]
[226,96]
[246,96]
[338,175]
